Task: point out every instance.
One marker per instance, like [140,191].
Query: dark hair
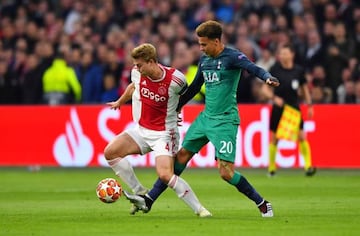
[211,29]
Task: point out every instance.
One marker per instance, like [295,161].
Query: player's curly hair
[145,51]
[211,29]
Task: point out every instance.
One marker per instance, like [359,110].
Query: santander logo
[73,147]
[151,95]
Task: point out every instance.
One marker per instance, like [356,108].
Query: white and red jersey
[155,101]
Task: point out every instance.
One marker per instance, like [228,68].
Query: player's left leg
[225,154]
[164,168]
[180,161]
[234,178]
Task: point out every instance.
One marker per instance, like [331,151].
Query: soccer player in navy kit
[219,68]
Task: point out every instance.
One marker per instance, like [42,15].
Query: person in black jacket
[292,78]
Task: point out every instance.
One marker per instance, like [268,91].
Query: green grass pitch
[62,201]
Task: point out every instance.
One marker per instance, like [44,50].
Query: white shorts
[161,142]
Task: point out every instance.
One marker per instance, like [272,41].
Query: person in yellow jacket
[60,84]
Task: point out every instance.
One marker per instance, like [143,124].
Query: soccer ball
[108,190]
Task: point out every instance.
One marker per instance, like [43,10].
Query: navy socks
[241,183]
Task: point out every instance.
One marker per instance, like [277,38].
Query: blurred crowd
[78,51]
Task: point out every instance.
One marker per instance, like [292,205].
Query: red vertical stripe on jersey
[155,99]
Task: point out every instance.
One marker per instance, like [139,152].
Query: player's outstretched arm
[243,62]
[125,97]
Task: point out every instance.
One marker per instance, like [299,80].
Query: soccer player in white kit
[155,92]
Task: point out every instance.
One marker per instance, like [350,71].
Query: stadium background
[326,35]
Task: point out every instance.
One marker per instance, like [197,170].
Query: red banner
[76,136]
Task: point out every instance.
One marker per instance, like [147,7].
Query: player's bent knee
[165,177]
[183,156]
[225,176]
[225,170]
[110,153]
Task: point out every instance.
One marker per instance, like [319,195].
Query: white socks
[124,170]
[185,193]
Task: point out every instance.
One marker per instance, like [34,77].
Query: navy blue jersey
[221,76]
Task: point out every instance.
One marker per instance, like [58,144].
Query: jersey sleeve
[192,90]
[180,80]
[242,62]
[135,75]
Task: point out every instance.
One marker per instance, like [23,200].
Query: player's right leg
[115,152]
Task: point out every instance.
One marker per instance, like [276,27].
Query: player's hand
[113,105]
[272,81]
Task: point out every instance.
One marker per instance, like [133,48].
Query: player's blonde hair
[145,51]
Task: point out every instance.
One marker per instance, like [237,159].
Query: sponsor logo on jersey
[145,92]
[210,76]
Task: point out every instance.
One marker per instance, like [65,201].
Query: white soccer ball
[109,190]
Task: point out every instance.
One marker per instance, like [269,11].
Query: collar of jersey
[162,77]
